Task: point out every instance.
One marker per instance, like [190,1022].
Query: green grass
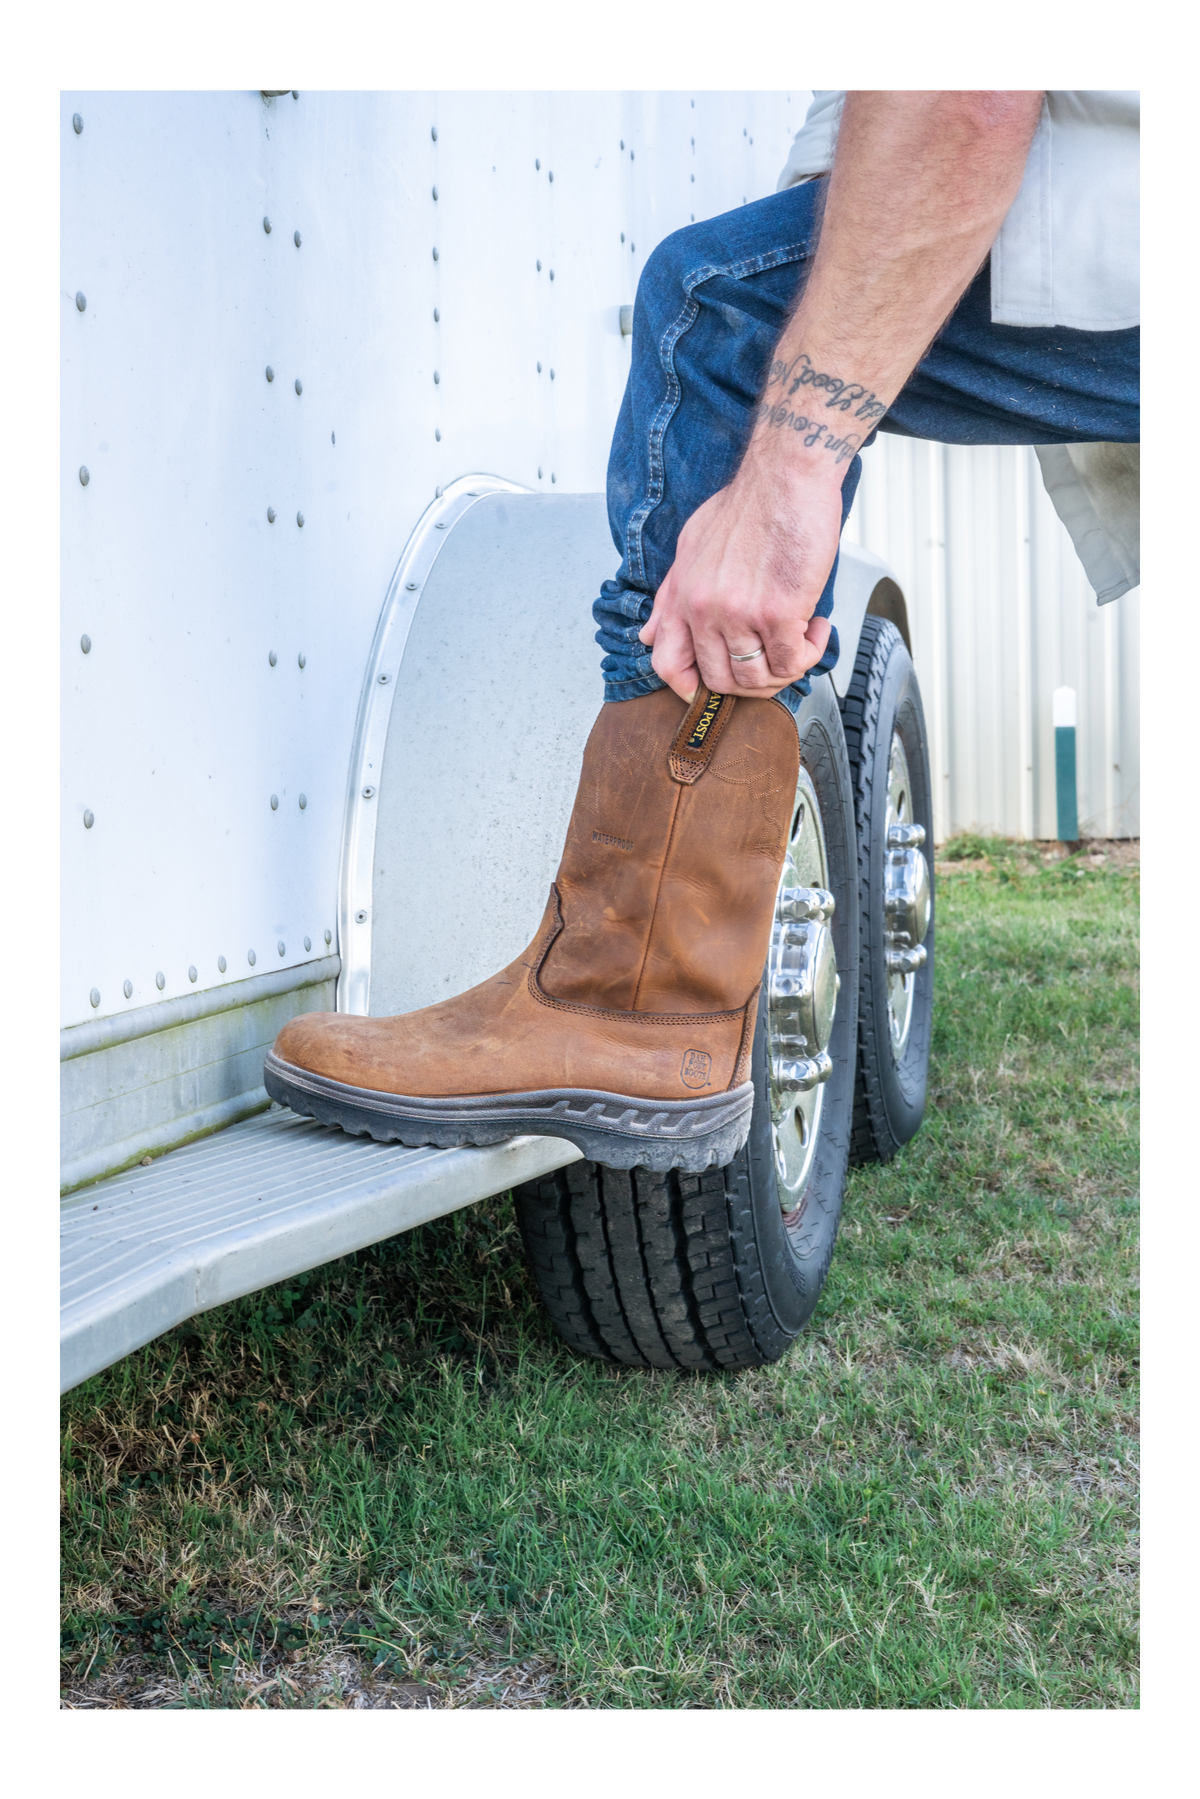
[386,1483]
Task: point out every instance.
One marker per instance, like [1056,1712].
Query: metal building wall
[1001,614]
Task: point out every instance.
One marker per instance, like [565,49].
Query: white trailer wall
[414,314]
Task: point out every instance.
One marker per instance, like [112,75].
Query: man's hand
[749,567]
[920,186]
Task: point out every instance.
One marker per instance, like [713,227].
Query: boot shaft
[668,878]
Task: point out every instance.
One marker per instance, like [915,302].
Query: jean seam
[692,279]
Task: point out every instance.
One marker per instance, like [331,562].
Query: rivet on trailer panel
[435,193]
[270,515]
[301,659]
[81,301]
[384,679]
[537,162]
[329,936]
[436,378]
[274,802]
[410,587]
[299,385]
[77,121]
[267,226]
[127,990]
[281,946]
[94,996]
[89,819]
[437,434]
[435,254]
[433,133]
[300,519]
[270,373]
[368,793]
[303,802]
[359,918]
[437,317]
[160,980]
[84,477]
[272,658]
[251,957]
[85,643]
[192,972]
[308,943]
[296,239]
[222,964]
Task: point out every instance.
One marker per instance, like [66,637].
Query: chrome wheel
[802,988]
[907,900]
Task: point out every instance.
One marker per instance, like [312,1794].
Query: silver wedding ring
[750,658]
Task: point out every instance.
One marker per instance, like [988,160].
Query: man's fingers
[817,635]
[662,600]
[674,657]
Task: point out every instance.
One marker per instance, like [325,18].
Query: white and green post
[1064,765]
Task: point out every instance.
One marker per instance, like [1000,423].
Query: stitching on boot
[562,1005]
[741,1066]
[698,735]
[662,869]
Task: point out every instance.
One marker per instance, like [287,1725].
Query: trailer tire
[707,1271]
[884,724]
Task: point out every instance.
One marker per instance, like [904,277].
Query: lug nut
[906,961]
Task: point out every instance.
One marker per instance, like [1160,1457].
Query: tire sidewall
[792,1259]
[900,1083]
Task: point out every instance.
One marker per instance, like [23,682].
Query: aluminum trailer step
[252,1204]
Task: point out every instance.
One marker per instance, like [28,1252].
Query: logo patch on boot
[697,737]
[697,1066]
[708,718]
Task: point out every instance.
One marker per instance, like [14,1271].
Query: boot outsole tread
[622,1131]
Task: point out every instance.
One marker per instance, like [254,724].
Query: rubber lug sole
[610,1128]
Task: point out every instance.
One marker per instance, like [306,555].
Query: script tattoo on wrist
[844,396]
[785,418]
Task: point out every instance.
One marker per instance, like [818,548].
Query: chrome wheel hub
[802,989]
[907,901]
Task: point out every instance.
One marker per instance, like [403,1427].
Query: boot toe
[315,1041]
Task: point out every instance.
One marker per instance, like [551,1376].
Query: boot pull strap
[698,735]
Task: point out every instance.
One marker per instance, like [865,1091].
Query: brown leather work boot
[626,1026]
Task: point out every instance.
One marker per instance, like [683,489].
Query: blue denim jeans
[711,304]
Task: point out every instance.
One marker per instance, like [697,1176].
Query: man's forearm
[920,186]
[919,189]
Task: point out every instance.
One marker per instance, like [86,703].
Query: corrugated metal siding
[1001,614]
